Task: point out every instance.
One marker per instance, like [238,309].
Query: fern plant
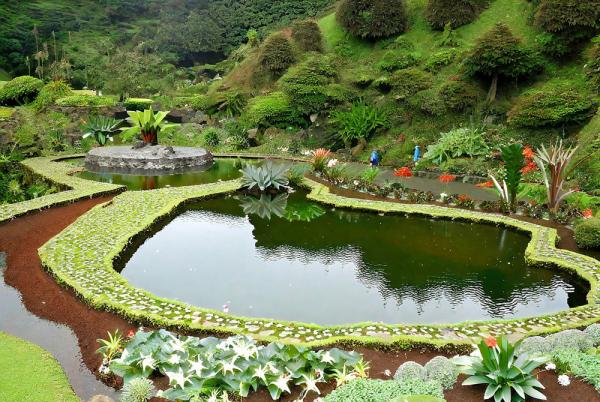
[265,177]
[360,122]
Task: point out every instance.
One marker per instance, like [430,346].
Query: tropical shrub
[410,371]
[585,366]
[397,60]
[86,101]
[320,158]
[275,109]
[50,93]
[265,177]
[211,137]
[453,12]
[230,103]
[137,103]
[147,124]
[111,347]
[277,54]
[443,371]
[498,53]
[137,390]
[464,141]
[551,107]
[197,366]
[101,128]
[459,95]
[20,90]
[587,233]
[508,377]
[237,134]
[373,19]
[406,83]
[360,122]
[307,35]
[383,391]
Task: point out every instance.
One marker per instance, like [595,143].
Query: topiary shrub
[273,110]
[570,339]
[459,95]
[382,391]
[86,101]
[137,103]
[442,371]
[277,54]
[551,107]
[534,345]
[408,82]
[587,233]
[593,331]
[50,93]
[373,19]
[456,13]
[307,35]
[20,90]
[394,60]
[410,371]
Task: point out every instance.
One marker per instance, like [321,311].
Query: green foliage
[429,102]
[592,67]
[197,366]
[456,13]
[206,103]
[373,19]
[50,93]
[458,95]
[137,103]
[275,109]
[406,83]
[441,59]
[585,366]
[587,233]
[307,35]
[111,347]
[277,54]
[20,90]
[507,377]
[360,122]
[267,206]
[86,101]
[211,137]
[147,124]
[369,175]
[382,390]
[410,371]
[265,177]
[230,103]
[443,371]
[137,390]
[570,339]
[101,128]
[514,161]
[394,60]
[534,346]
[551,106]
[463,141]
[593,332]
[568,16]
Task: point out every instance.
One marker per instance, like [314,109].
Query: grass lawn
[31,374]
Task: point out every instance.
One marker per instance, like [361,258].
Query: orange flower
[447,178]
[403,172]
[463,198]
[587,214]
[491,342]
[322,153]
[486,184]
[530,167]
[528,153]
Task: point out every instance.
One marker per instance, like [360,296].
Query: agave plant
[556,165]
[265,177]
[102,128]
[266,206]
[148,124]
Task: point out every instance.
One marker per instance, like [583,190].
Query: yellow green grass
[31,374]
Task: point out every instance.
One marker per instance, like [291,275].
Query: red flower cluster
[322,153]
[491,342]
[463,198]
[530,164]
[403,172]
[131,333]
[487,184]
[587,214]
[447,178]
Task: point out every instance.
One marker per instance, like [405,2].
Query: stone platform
[151,160]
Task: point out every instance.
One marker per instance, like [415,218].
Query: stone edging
[82,258]
[48,168]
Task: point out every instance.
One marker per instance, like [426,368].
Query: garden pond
[285,257]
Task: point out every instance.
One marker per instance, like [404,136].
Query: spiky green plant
[265,177]
[513,159]
[137,390]
[266,206]
[148,124]
[112,346]
[102,128]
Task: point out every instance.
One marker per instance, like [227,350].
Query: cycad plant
[147,124]
[556,165]
[102,128]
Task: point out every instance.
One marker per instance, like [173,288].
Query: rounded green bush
[593,331]
[410,371]
[20,90]
[441,370]
[459,95]
[211,136]
[275,109]
[428,101]
[307,35]
[51,92]
[570,339]
[86,101]
[408,82]
[454,12]
[137,103]
[277,54]
[534,345]
[568,16]
[587,233]
[373,19]
[137,390]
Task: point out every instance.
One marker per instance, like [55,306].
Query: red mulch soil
[42,296]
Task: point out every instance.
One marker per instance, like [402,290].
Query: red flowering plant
[508,377]
[403,172]
[485,184]
[447,178]
[587,213]
[320,158]
[464,201]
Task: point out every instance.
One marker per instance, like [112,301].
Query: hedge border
[82,258]
[51,169]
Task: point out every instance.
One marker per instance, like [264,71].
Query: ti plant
[265,177]
[514,161]
[146,124]
[556,165]
[102,128]
[508,377]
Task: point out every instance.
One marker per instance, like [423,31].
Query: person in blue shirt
[375,158]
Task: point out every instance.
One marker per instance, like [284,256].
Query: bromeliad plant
[201,367]
[268,177]
[102,128]
[146,124]
[507,376]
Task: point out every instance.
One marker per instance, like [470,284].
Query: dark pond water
[221,169]
[288,258]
